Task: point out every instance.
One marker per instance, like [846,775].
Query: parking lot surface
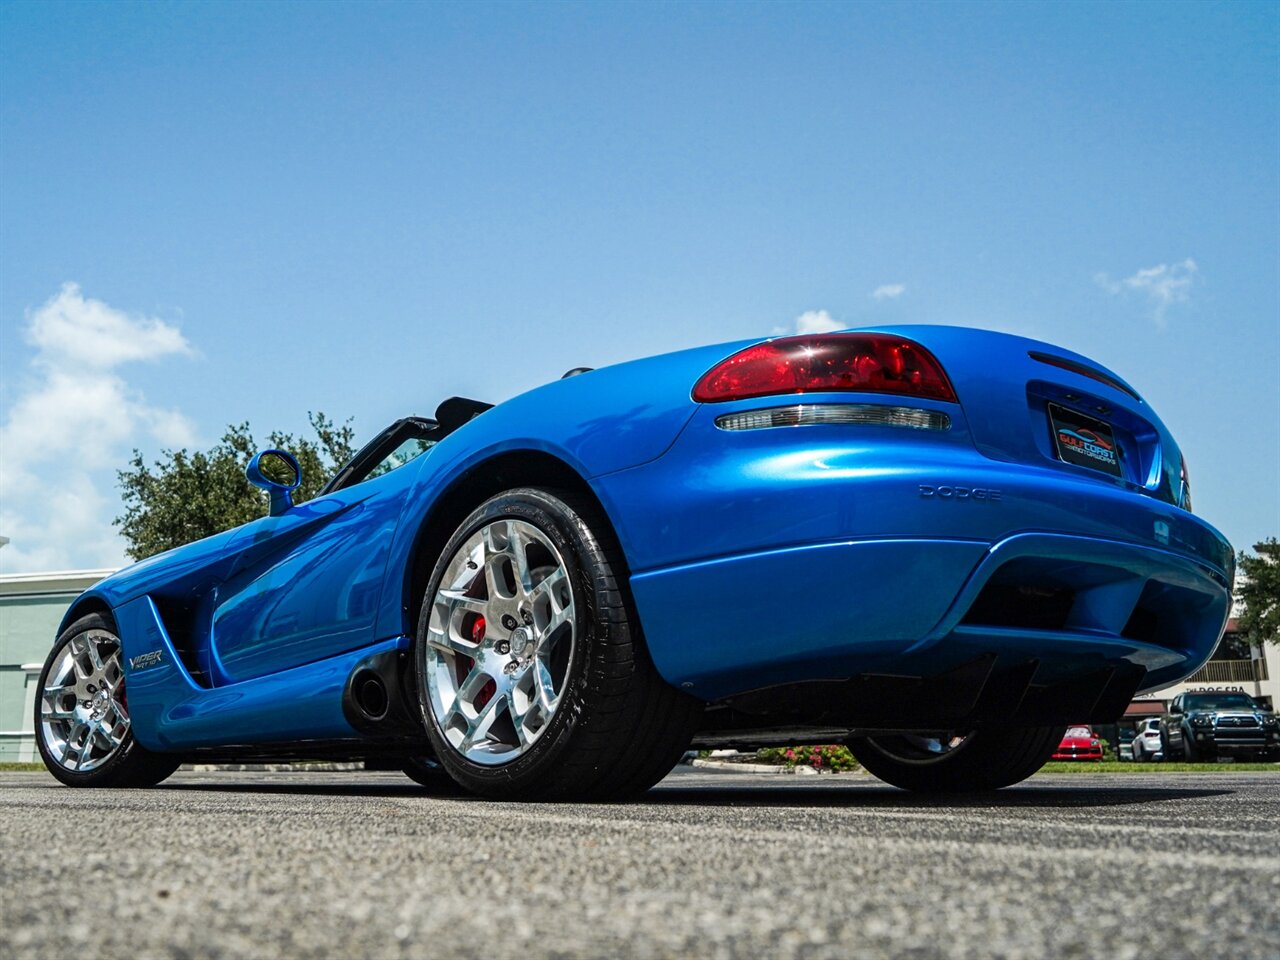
[709,864]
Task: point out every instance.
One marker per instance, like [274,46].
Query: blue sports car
[937,545]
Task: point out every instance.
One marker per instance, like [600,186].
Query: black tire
[1190,752]
[131,765]
[990,757]
[619,727]
[427,772]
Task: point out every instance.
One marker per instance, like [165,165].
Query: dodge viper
[939,546]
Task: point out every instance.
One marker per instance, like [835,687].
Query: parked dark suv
[1204,726]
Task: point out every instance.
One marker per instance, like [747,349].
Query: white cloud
[88,333]
[1163,285]
[71,425]
[816,321]
[888,291]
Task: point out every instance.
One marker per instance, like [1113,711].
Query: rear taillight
[834,362]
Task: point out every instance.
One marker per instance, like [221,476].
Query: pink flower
[791,754]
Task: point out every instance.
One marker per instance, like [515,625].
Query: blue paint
[720,626]
[306,585]
[171,712]
[757,556]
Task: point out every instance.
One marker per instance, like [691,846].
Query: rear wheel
[534,679]
[82,724]
[984,759]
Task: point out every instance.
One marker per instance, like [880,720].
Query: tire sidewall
[109,772]
[983,763]
[583,558]
[1190,749]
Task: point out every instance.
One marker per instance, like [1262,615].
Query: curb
[718,766]
[271,767]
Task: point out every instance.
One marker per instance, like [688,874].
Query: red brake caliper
[490,688]
[462,664]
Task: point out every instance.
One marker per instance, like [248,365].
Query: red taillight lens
[870,362]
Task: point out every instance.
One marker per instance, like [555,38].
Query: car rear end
[1148,741]
[1003,523]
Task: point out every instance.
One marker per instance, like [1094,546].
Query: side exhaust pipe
[369,693]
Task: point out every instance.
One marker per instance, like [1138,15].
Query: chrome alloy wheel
[84,716]
[500,642]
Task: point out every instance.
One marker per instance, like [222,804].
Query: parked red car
[1079,743]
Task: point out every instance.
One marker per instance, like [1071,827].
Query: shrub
[833,757]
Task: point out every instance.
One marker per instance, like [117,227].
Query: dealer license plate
[1084,441]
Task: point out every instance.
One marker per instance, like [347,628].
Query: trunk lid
[1027,402]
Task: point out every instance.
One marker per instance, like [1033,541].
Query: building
[31,607]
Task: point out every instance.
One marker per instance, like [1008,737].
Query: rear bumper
[883,613]
[814,554]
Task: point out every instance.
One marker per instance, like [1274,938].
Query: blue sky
[363,208]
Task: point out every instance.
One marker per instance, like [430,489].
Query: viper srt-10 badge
[144,660]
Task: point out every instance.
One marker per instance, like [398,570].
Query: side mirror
[1174,708]
[279,474]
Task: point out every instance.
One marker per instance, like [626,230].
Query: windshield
[408,450]
[1218,701]
[1083,732]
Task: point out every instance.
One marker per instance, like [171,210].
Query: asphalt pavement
[356,864]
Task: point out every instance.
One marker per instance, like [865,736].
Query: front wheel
[427,772]
[987,758]
[532,672]
[82,724]
[1190,749]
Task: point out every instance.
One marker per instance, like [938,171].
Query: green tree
[186,496]
[1260,594]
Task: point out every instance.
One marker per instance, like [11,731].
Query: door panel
[305,585]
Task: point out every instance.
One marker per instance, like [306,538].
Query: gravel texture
[356,864]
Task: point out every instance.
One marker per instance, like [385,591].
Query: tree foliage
[186,495]
[1260,594]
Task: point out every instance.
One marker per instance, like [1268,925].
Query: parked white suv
[1146,745]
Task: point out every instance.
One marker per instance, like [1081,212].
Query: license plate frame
[1084,441]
